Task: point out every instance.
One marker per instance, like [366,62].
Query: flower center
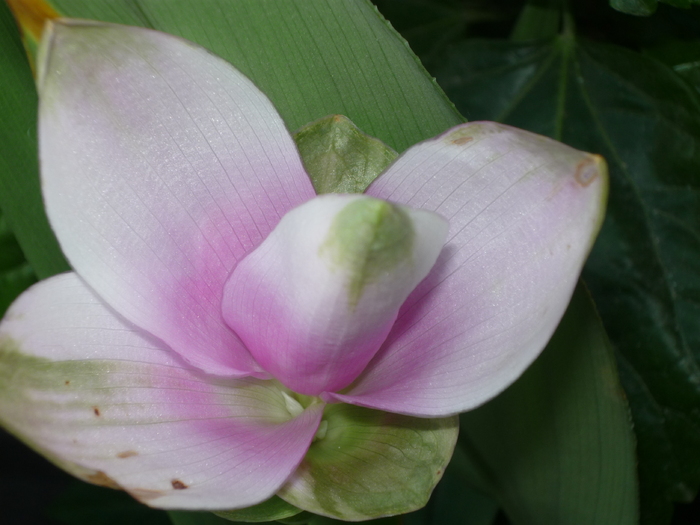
[297,403]
[314,302]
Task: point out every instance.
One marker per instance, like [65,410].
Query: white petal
[315,301]
[114,407]
[162,166]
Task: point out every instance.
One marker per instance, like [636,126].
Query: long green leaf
[20,199]
[556,447]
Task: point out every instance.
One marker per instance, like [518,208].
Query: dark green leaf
[83,504]
[643,273]
[322,520]
[20,199]
[272,509]
[430,25]
[181,517]
[556,447]
[682,55]
[13,282]
[15,273]
[691,72]
[455,501]
[538,19]
[305,518]
[635,7]
[676,51]
[648,7]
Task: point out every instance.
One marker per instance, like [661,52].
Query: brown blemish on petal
[587,170]
[96,411]
[127,454]
[102,479]
[144,495]
[460,136]
[462,140]
[468,132]
[178,485]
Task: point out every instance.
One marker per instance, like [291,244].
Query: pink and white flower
[211,286]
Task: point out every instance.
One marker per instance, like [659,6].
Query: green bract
[372,463]
[339,157]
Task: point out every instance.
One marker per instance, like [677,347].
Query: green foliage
[647,7]
[272,509]
[180,517]
[20,198]
[532,446]
[83,504]
[635,7]
[455,501]
[15,273]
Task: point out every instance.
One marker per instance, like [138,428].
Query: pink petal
[114,407]
[162,166]
[523,211]
[316,299]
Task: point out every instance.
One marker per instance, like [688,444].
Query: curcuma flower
[227,335]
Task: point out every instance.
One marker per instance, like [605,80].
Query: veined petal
[523,211]
[314,302]
[162,166]
[112,406]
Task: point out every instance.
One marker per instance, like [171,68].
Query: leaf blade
[570,402]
